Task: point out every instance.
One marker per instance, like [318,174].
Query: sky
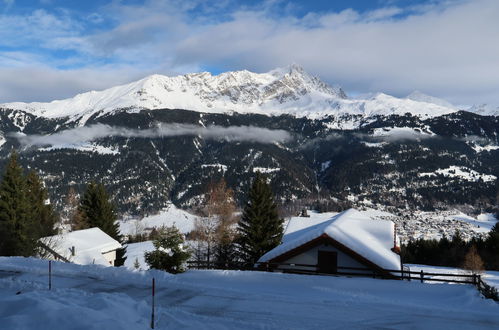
[53,49]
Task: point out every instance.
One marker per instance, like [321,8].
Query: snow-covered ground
[169,216]
[135,253]
[462,173]
[491,277]
[94,297]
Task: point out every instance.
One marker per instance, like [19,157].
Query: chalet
[349,242]
[84,247]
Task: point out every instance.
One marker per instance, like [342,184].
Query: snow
[400,133]
[219,167]
[479,148]
[86,147]
[89,245]
[299,223]
[483,223]
[281,91]
[372,239]
[266,169]
[135,252]
[169,216]
[462,173]
[484,110]
[421,97]
[490,277]
[93,297]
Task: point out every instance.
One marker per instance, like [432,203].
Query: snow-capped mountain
[484,110]
[421,97]
[281,91]
[164,139]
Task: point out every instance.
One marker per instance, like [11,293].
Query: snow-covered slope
[484,110]
[289,90]
[169,216]
[421,97]
[94,297]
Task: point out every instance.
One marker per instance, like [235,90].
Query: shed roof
[371,239]
[89,245]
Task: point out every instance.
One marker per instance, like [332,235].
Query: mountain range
[164,139]
[288,90]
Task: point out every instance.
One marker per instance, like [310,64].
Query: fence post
[479,282]
[152,314]
[422,276]
[50,274]
[474,279]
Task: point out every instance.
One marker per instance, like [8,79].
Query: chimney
[395,248]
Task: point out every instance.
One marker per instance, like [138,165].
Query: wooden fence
[402,274]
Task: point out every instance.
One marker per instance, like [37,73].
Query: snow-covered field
[94,297]
[490,277]
[169,216]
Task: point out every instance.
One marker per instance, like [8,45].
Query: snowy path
[93,297]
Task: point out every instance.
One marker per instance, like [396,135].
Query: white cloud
[448,49]
[84,134]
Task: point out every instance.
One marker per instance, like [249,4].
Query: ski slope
[94,297]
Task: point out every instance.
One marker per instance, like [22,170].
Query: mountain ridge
[289,90]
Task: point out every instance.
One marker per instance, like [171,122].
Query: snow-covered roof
[89,245]
[372,239]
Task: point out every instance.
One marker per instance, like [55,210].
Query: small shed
[84,247]
[349,242]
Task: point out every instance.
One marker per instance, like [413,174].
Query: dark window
[327,262]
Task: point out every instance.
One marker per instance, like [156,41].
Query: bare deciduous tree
[216,226]
[472,261]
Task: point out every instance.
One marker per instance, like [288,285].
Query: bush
[170,253]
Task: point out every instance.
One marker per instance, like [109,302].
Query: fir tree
[17,230]
[41,211]
[170,254]
[260,228]
[96,210]
[225,251]
[136,264]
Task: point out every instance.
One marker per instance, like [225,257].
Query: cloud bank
[85,134]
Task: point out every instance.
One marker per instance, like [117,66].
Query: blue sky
[52,49]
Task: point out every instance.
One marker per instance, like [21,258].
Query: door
[327,262]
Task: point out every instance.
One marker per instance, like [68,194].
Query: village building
[349,242]
[84,247]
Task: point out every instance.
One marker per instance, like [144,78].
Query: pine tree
[41,211]
[136,264]
[96,210]
[170,253]
[17,231]
[225,251]
[260,228]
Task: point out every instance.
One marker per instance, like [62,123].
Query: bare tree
[70,212]
[472,261]
[216,226]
